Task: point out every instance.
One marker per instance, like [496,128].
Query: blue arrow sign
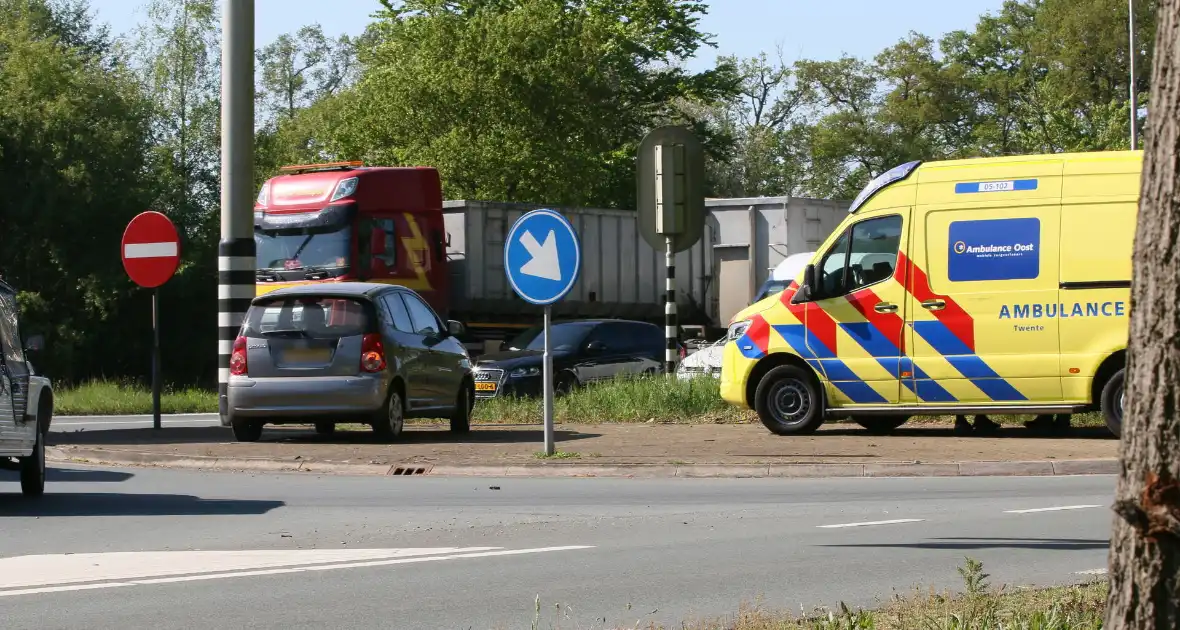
[542,257]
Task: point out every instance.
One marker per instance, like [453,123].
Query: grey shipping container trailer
[622,276]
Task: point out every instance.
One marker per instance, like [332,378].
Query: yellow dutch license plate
[306,355]
[485,387]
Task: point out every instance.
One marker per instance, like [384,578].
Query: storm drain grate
[409,470]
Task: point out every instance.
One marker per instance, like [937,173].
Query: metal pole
[1134,92]
[156,359]
[235,253]
[671,326]
[547,383]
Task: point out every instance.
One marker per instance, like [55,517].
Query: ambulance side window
[870,258]
[831,269]
[874,251]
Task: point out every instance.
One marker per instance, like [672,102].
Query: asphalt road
[284,551]
[70,424]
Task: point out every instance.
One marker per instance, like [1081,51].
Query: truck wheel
[389,422]
[32,470]
[246,429]
[788,401]
[880,425]
[461,416]
[1111,402]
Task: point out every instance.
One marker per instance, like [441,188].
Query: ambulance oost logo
[960,247]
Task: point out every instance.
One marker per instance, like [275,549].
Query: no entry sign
[151,249]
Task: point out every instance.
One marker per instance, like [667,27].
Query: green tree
[768,122]
[295,71]
[74,131]
[529,100]
[178,58]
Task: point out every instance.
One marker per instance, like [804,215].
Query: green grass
[638,400]
[977,607]
[107,398]
[633,401]
[558,455]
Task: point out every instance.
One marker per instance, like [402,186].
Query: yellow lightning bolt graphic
[419,252]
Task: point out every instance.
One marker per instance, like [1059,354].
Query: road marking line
[58,569]
[285,570]
[867,523]
[1091,572]
[1052,509]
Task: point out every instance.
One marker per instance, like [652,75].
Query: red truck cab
[343,222]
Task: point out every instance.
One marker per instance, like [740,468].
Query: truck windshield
[303,248]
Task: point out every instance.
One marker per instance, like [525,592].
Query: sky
[805,29]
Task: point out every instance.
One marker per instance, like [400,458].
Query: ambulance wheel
[1113,394]
[880,425]
[788,401]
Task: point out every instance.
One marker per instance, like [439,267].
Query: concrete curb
[106,457]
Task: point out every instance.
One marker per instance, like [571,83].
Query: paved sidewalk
[617,450]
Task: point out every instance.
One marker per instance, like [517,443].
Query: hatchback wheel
[391,419]
[788,401]
[246,429]
[32,470]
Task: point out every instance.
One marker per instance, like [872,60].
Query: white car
[707,360]
[26,401]
[704,362]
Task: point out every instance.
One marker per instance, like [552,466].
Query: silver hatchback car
[346,352]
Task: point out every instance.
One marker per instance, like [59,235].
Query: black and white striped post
[671,327]
[235,253]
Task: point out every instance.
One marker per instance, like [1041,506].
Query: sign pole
[671,208]
[151,254]
[547,382]
[542,260]
[236,251]
[671,326]
[156,359]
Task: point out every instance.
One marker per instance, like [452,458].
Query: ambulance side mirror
[806,290]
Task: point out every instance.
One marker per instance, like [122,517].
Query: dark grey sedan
[347,352]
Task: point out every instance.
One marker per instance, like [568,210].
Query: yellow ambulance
[994,285]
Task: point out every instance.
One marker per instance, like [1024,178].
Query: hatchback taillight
[372,353]
[237,360]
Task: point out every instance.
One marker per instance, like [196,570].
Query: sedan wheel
[461,417]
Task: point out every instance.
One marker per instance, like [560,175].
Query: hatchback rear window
[308,317]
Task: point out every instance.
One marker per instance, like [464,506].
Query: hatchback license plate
[485,387]
[306,355]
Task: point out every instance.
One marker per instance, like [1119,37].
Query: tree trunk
[1145,543]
